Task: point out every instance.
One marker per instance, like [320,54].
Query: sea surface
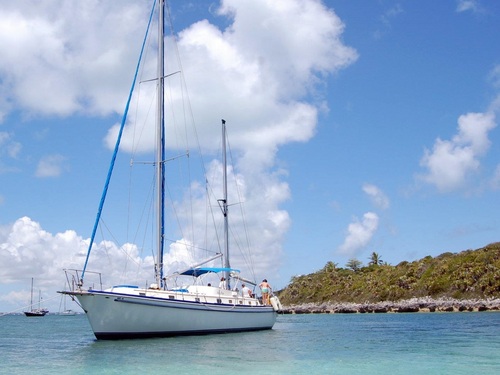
[415,343]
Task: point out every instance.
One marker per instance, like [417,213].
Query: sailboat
[35,312]
[65,311]
[68,312]
[129,311]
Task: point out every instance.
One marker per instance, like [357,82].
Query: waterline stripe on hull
[145,335]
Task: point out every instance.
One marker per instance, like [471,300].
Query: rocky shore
[412,305]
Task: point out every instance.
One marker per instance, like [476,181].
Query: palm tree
[375,259]
[354,264]
[330,266]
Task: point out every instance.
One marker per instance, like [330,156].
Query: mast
[224,204]
[31,305]
[160,146]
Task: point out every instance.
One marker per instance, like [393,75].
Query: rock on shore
[426,304]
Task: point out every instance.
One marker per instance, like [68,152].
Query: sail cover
[198,271]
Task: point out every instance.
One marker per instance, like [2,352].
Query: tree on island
[354,264]
[375,259]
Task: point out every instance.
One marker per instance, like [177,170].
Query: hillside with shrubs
[470,274]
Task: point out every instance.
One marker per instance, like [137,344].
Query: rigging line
[210,194]
[115,240]
[185,135]
[136,141]
[103,224]
[137,101]
[148,224]
[188,110]
[108,178]
[191,246]
[146,206]
[209,209]
[137,137]
[176,215]
[248,257]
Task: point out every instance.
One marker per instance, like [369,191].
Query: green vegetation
[466,275]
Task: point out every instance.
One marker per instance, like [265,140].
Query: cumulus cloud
[359,234]
[377,196]
[27,250]
[451,162]
[51,63]
[257,224]
[259,84]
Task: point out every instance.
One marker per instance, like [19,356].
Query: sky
[357,127]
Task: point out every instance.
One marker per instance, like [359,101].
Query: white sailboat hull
[117,315]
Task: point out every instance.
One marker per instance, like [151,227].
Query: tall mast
[160,145]
[31,306]
[225,204]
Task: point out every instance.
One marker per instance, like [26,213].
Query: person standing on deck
[222,284]
[265,288]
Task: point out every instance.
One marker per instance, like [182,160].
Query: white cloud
[9,149]
[391,13]
[51,166]
[51,63]
[494,76]
[257,83]
[468,5]
[386,19]
[257,224]
[377,196]
[359,234]
[8,146]
[451,162]
[27,250]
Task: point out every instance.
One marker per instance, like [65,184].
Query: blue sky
[359,126]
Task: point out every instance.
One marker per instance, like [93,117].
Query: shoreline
[423,304]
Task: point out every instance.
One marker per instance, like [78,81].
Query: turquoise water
[419,343]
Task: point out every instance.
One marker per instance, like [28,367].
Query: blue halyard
[115,152]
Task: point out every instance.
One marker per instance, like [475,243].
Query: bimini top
[198,271]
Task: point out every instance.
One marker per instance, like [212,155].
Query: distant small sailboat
[68,313]
[65,311]
[35,312]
